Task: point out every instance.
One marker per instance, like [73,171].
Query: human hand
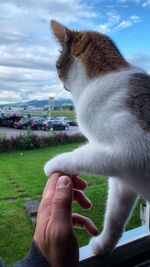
[54,233]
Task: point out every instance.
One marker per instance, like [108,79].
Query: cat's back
[116,103]
[113,92]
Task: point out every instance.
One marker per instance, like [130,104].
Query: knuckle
[60,201]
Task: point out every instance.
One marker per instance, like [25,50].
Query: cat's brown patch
[96,51]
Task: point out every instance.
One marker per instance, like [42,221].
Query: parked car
[24,123]
[9,121]
[73,123]
[37,123]
[54,125]
[46,122]
[64,120]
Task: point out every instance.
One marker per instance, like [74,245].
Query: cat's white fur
[117,146]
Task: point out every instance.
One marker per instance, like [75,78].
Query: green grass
[6,189]
[25,171]
[63,113]
[16,231]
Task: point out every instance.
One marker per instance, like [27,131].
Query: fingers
[55,206]
[51,185]
[78,182]
[61,202]
[82,222]
[82,199]
[50,191]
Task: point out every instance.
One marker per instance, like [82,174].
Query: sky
[29,50]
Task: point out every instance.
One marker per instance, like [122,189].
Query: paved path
[15,132]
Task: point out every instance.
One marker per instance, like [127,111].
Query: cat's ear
[60,31]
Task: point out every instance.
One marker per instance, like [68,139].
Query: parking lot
[15,132]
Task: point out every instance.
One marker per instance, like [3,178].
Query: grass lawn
[21,174]
[63,113]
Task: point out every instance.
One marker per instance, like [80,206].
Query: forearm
[33,259]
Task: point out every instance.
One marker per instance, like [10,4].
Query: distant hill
[40,103]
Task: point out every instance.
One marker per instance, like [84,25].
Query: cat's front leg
[119,206]
[88,159]
[74,162]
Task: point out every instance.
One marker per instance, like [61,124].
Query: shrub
[31,141]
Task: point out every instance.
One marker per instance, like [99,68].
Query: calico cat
[112,102]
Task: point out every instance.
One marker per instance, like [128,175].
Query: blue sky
[28,49]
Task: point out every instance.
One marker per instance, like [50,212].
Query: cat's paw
[99,246]
[60,163]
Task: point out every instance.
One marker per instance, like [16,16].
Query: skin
[54,232]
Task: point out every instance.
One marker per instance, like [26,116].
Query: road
[15,132]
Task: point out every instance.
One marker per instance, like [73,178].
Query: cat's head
[96,51]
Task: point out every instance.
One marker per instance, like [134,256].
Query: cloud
[115,23]
[27,50]
[146,3]
[28,84]
[141,60]
[64,10]
[123,1]
[128,23]
[33,57]
[143,3]
[113,17]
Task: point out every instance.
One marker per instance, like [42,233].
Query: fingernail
[97,232]
[62,181]
[90,204]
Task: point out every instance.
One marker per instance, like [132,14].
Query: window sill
[133,248]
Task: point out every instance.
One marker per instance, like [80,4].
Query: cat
[112,102]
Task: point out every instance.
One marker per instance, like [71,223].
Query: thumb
[62,200]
